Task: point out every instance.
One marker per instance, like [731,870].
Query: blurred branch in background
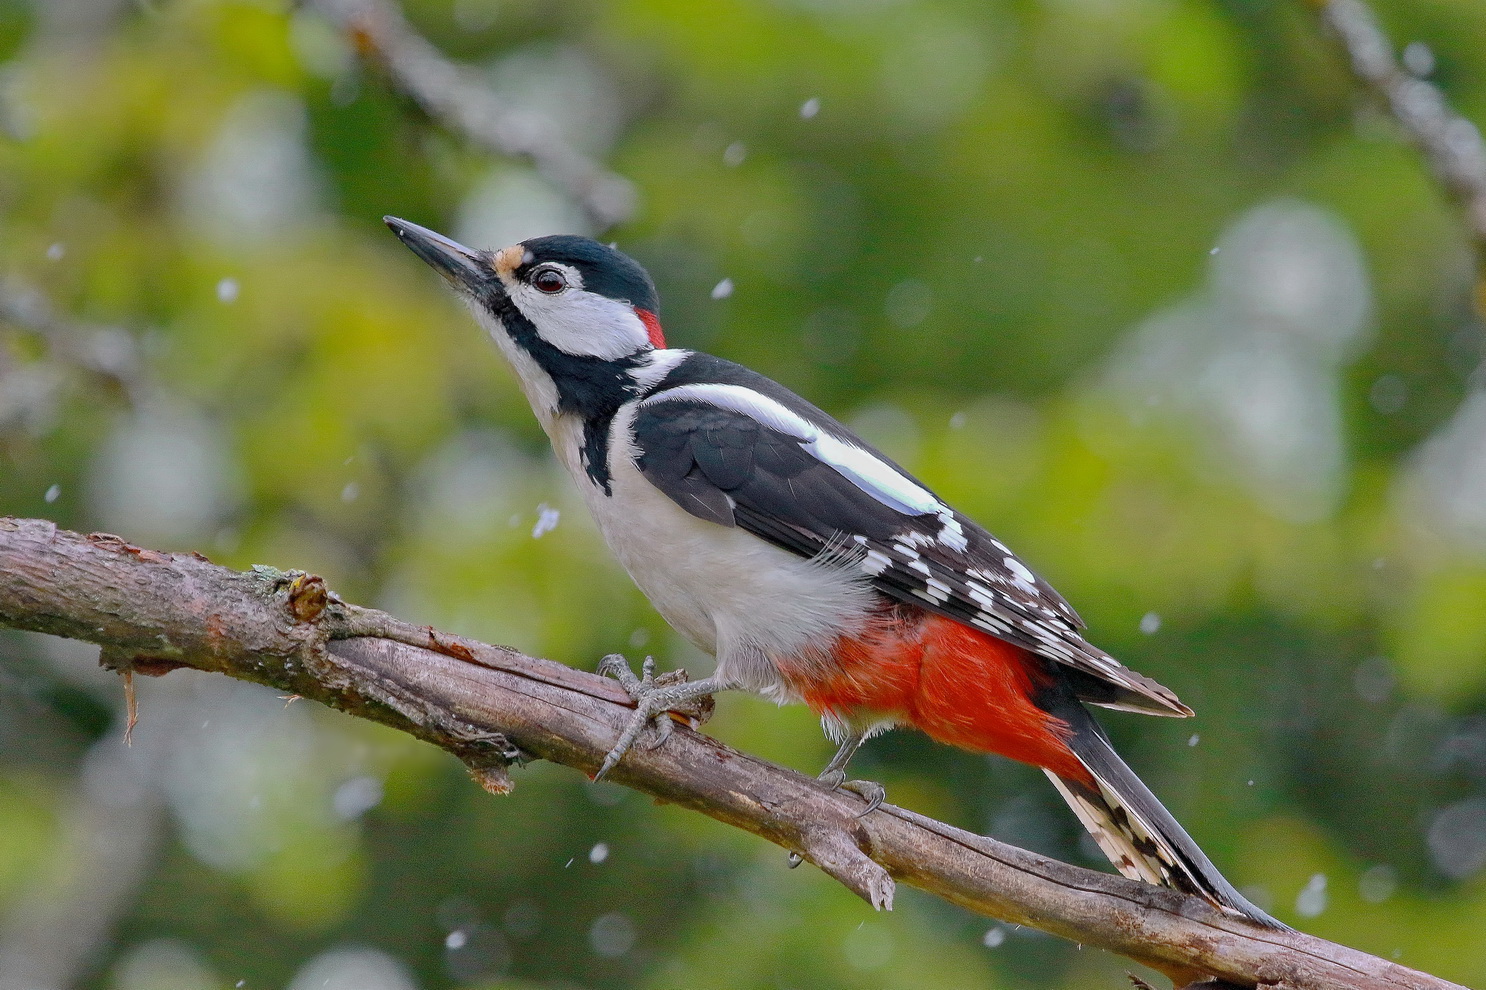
[1451,145]
[154,612]
[30,391]
[450,95]
[56,932]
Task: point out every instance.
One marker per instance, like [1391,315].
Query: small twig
[451,95]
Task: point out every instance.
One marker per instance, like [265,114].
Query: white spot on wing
[952,535]
[981,596]
[1020,574]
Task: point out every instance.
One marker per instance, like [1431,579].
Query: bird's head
[563,308]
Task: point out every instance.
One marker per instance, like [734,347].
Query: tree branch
[450,94]
[1451,144]
[152,612]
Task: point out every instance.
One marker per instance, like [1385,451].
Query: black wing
[738,458]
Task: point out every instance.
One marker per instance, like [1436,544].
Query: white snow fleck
[723,289]
[456,939]
[598,853]
[56,251]
[733,154]
[227,290]
[547,518]
[53,493]
[810,108]
[1311,900]
[1194,739]
[993,938]
[1150,623]
[351,492]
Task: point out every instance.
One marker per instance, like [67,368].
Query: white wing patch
[862,468]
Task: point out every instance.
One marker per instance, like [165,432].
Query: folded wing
[735,456]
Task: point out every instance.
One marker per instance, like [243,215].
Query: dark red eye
[549,280]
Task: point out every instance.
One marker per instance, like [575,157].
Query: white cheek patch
[583,323]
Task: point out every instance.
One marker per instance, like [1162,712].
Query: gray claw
[873,792]
[663,725]
[616,666]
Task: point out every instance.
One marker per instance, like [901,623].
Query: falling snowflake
[547,519]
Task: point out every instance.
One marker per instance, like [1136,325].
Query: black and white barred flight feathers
[1131,825]
[736,448]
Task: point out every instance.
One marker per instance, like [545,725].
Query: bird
[809,564]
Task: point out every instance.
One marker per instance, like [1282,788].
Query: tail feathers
[1135,831]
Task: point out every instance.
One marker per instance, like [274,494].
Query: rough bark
[152,612]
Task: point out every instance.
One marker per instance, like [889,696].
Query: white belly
[735,596]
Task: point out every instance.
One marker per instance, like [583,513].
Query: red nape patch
[952,682]
[652,326]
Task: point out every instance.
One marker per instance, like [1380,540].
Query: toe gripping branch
[655,699]
[833,843]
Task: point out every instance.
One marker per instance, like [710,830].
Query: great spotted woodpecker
[809,564]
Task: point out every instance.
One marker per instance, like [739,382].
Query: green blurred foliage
[963,251]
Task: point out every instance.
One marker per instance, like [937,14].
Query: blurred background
[1142,285]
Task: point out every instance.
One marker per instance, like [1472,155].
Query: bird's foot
[871,792]
[655,698]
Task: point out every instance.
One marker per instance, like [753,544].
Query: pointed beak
[464,268]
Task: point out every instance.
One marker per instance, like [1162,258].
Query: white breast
[732,594]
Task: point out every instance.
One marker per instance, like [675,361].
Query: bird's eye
[549,280]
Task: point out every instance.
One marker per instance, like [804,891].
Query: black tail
[1139,836]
